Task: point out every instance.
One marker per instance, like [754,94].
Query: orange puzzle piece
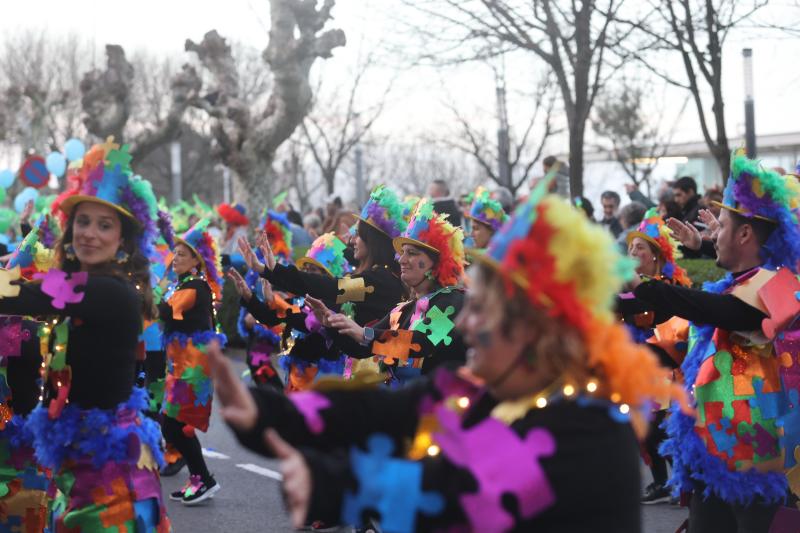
[395,346]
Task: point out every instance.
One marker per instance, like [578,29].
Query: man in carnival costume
[741,367]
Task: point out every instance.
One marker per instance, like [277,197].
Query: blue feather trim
[98,435]
[692,463]
[198,338]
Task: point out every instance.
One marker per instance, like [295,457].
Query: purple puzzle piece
[180,393]
[764,443]
[62,286]
[11,336]
[501,463]
[310,404]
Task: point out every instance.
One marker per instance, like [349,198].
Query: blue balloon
[5,239]
[27,194]
[74,149]
[56,163]
[7,178]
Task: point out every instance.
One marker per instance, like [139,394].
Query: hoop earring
[121,256]
[69,251]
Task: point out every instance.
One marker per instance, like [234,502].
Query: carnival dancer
[310,352]
[236,223]
[519,440]
[656,252]
[90,429]
[418,335]
[485,216]
[741,365]
[189,317]
[372,289]
[23,483]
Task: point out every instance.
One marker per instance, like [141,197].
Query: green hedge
[701,270]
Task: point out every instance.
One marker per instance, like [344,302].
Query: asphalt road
[250,498]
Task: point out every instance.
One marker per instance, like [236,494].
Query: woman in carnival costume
[520,439]
[374,286]
[310,354]
[89,428]
[655,251]
[486,216]
[190,324]
[263,342]
[738,454]
[417,335]
[23,484]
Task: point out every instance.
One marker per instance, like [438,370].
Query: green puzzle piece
[438,325]
[719,390]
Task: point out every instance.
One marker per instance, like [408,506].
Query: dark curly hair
[136,269]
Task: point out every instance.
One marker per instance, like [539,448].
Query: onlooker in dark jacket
[685,194]
[610,202]
[443,203]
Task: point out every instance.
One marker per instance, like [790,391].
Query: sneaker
[655,494]
[200,491]
[173,468]
[177,496]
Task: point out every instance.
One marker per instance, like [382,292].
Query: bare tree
[247,141]
[337,124]
[573,38]
[696,30]
[524,149]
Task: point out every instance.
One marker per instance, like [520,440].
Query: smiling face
[641,250]
[96,234]
[313,269]
[481,234]
[414,264]
[184,260]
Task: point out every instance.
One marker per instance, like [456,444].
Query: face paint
[484,338]
[422,265]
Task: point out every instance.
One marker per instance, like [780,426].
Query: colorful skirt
[106,467]
[23,484]
[188,391]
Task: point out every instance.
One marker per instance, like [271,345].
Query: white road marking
[266,472]
[214,455]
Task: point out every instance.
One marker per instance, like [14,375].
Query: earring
[655,259]
[69,251]
[121,256]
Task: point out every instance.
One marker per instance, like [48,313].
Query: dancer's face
[414,264]
[96,234]
[481,234]
[184,260]
[313,269]
[641,250]
[359,248]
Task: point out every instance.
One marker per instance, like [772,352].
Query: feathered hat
[433,232]
[572,270]
[384,212]
[204,247]
[755,192]
[104,176]
[486,210]
[31,256]
[327,253]
[653,230]
[279,234]
[233,214]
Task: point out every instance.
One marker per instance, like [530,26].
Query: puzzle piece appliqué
[353,290]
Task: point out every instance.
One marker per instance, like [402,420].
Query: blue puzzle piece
[790,422]
[389,486]
[771,404]
[723,440]
[33,480]
[113,181]
[147,514]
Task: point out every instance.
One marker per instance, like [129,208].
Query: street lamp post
[749,105]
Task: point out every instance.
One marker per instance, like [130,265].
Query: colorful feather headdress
[205,248]
[755,192]
[572,269]
[653,230]
[104,176]
[279,234]
[432,231]
[385,212]
[327,253]
[233,214]
[486,210]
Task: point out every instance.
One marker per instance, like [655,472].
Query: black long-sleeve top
[382,289]
[196,317]
[724,311]
[593,470]
[434,354]
[23,370]
[103,336]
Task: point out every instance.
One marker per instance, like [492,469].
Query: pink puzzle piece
[62,287]
[501,463]
[310,404]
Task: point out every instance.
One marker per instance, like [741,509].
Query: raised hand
[262,243]
[240,284]
[266,288]
[685,233]
[297,482]
[250,256]
[346,326]
[711,222]
[319,309]
[238,407]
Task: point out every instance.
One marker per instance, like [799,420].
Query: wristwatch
[369,336]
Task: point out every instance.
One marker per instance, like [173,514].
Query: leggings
[188,446]
[655,436]
[714,515]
